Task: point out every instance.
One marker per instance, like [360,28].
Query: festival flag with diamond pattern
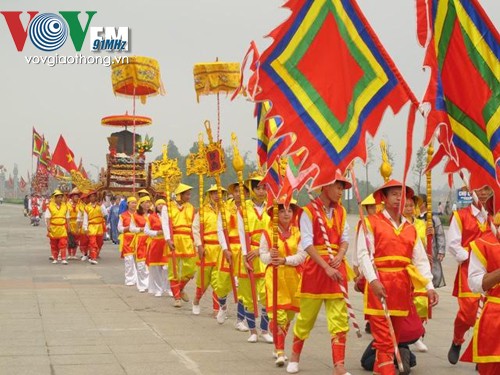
[329,80]
[464,89]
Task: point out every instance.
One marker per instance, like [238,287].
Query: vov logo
[49,31]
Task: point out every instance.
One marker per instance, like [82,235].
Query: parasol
[126,120]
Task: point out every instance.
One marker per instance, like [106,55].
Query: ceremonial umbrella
[138,76]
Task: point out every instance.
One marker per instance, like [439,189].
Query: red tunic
[157,252]
[315,283]
[128,237]
[485,345]
[393,253]
[141,238]
[471,229]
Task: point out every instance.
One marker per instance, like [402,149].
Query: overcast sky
[72,99]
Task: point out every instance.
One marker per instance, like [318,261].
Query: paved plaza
[81,319]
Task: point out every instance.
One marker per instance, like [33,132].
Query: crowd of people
[287,269]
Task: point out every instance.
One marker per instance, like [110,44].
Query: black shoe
[454,353]
[405,358]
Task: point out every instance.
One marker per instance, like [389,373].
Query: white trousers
[142,276]
[130,270]
[157,280]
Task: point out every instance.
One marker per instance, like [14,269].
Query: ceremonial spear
[197,164]
[215,167]
[238,165]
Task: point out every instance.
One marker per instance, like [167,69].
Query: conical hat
[182,188]
[56,192]
[377,194]
[368,201]
[213,187]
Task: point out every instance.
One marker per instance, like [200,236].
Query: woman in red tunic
[137,226]
[156,256]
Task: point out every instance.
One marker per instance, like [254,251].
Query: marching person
[126,241]
[93,226]
[229,257]
[258,221]
[208,250]
[75,210]
[56,220]
[438,244]
[137,226]
[322,275]
[466,225]
[288,257]
[113,217]
[397,264]
[181,241]
[484,277]
[156,257]
[83,237]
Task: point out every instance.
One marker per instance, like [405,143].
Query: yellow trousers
[210,277]
[336,316]
[284,317]
[186,267]
[245,292]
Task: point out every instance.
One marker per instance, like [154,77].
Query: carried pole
[216,165]
[275,271]
[238,165]
[197,164]
[428,217]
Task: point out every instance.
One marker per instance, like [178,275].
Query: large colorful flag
[463,53]
[63,156]
[37,143]
[45,157]
[329,80]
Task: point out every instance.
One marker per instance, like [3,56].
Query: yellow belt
[416,277]
[493,299]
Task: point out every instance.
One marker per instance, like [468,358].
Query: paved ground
[81,319]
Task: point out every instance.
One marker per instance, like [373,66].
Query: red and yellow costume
[316,287]
[156,250]
[223,285]
[182,217]
[466,225]
[75,218]
[93,225]
[140,243]
[126,237]
[258,222]
[484,348]
[58,235]
[289,275]
[402,266]
[212,250]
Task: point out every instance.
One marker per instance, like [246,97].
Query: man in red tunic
[484,277]
[466,225]
[322,275]
[394,263]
